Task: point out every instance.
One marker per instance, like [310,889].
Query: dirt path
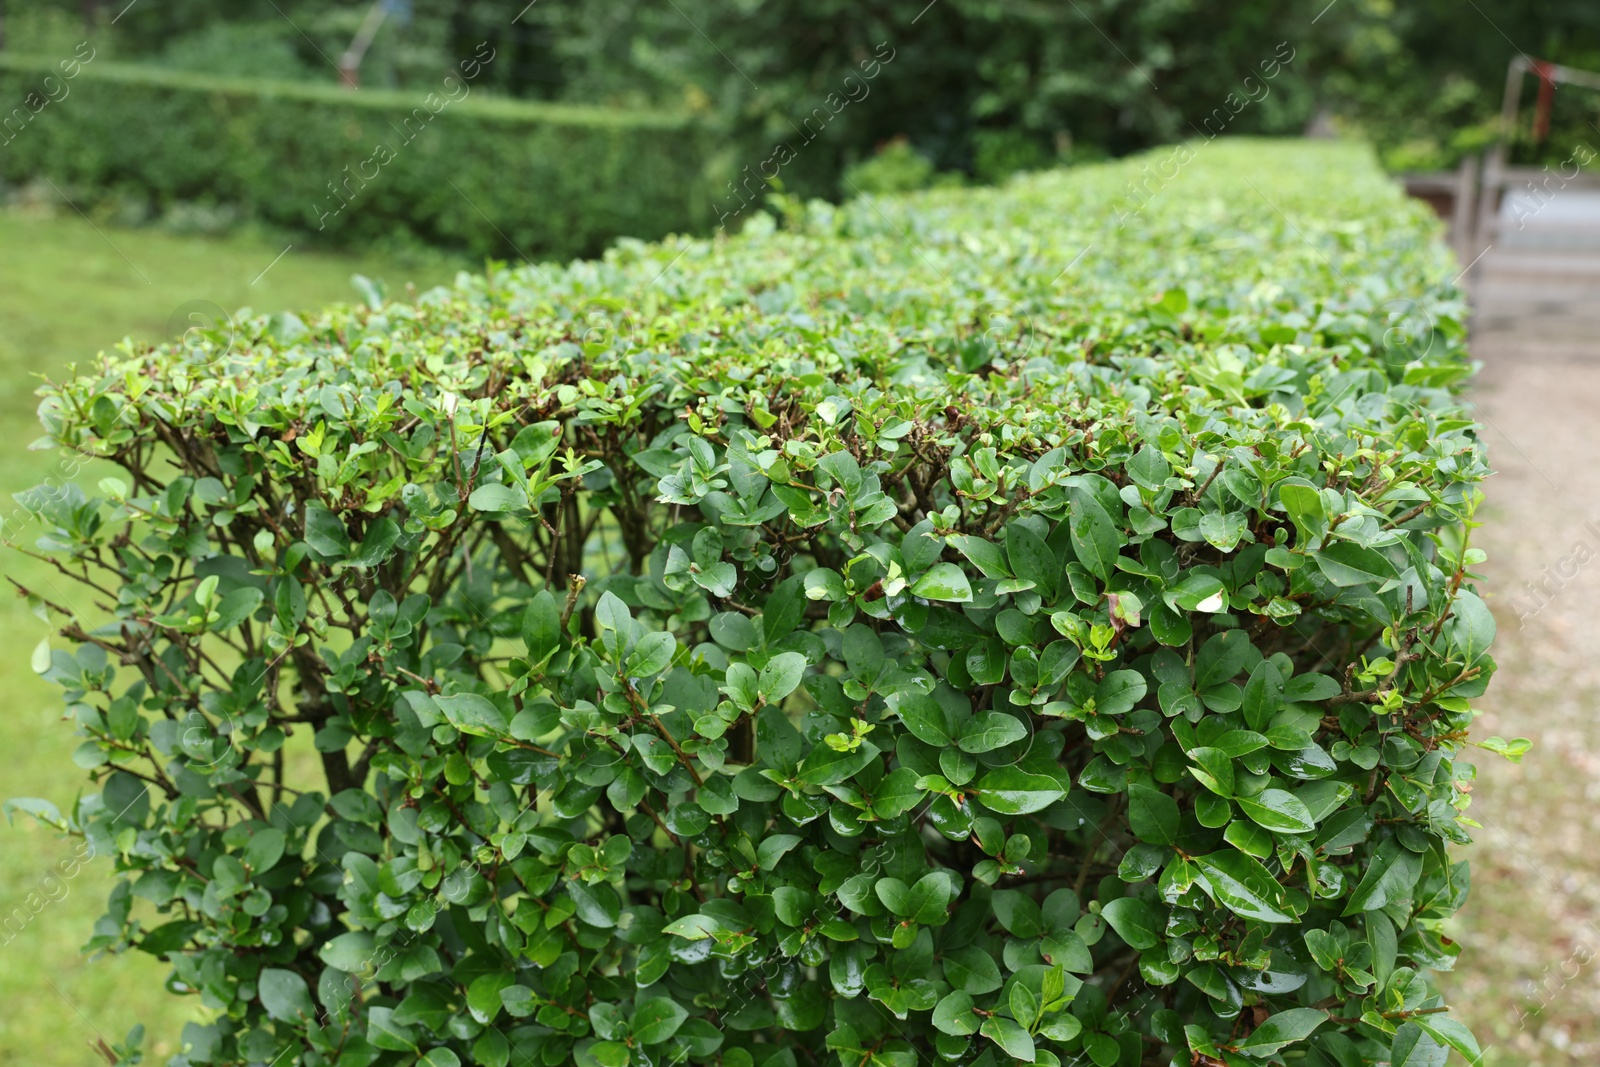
[1529,983]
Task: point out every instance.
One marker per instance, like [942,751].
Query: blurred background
[165,163]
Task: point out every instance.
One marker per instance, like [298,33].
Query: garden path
[1531,930]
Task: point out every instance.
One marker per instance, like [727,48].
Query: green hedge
[493,177]
[1029,625]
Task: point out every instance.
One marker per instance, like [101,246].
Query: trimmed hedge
[453,168]
[963,628]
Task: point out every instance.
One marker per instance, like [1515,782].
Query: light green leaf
[944,581]
[473,714]
[780,676]
[496,497]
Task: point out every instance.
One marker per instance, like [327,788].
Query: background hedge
[1015,625]
[493,177]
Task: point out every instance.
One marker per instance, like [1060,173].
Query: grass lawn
[67,290]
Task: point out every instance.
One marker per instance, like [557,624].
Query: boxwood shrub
[981,627]
[451,167]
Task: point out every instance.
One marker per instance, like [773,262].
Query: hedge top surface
[986,626]
[481,106]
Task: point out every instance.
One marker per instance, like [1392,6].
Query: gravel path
[1529,983]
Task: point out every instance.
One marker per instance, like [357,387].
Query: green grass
[67,290]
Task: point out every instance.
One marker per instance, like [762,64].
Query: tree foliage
[999,626]
[985,86]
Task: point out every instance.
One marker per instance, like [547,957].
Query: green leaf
[1212,769]
[656,1020]
[284,995]
[925,717]
[495,497]
[1414,1048]
[1263,695]
[1118,692]
[1017,1042]
[971,970]
[991,730]
[1243,886]
[1095,537]
[1390,877]
[1031,559]
[1278,810]
[1310,688]
[541,626]
[774,848]
[325,533]
[1223,530]
[1236,743]
[264,849]
[439,1057]
[349,952]
[944,581]
[781,676]
[1152,815]
[383,1032]
[1282,1029]
[1304,505]
[718,578]
[1471,629]
[1019,913]
[1221,657]
[895,894]
[1134,921]
[236,607]
[1194,590]
[1012,791]
[1345,564]
[930,898]
[1103,1048]
[1452,1032]
[954,1014]
[652,654]
[536,443]
[42,810]
[483,995]
[898,793]
[693,927]
[1024,1004]
[473,714]
[985,555]
[1512,750]
[375,548]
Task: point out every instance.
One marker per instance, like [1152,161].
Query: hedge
[980,627]
[453,167]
